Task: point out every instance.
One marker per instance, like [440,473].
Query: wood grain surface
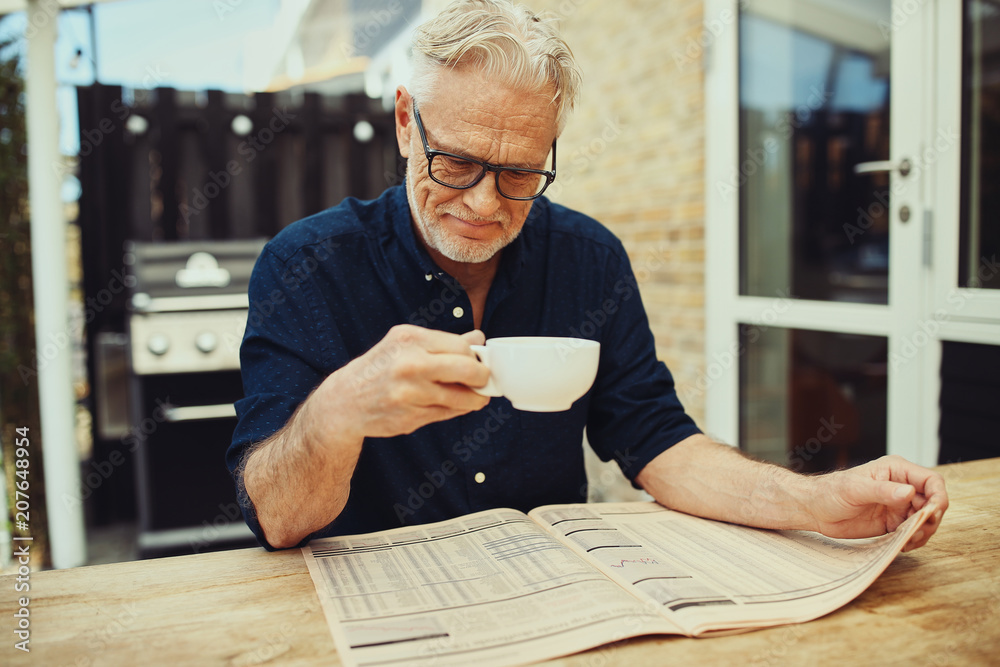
[939,605]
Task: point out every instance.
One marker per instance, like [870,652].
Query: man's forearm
[300,478]
[700,477]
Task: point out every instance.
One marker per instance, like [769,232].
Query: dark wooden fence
[173,165]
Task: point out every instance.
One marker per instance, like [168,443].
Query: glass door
[816,211]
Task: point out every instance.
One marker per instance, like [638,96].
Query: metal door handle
[904,167]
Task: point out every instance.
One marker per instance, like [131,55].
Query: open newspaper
[503,588]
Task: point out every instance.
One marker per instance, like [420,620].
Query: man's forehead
[467,101]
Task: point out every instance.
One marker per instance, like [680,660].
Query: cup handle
[491,388]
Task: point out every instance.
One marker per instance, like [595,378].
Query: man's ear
[404,120]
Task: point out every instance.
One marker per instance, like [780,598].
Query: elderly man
[359,412]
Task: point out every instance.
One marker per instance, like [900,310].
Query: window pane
[980,227]
[970,394]
[814,103]
[812,400]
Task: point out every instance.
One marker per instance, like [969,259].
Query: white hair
[507,42]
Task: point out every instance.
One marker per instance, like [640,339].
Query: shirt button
[458,312]
[429,277]
[480,478]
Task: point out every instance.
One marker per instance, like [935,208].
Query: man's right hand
[411,378]
[300,478]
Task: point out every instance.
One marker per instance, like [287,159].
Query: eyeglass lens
[457,172]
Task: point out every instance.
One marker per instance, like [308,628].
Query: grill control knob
[206,342]
[158,344]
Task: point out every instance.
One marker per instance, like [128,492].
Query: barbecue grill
[187,312]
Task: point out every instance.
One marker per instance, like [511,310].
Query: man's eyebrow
[525,165]
[517,165]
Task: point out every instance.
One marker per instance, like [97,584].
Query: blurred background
[808,191]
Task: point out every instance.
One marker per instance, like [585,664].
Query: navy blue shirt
[329,287]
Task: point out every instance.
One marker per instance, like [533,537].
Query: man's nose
[483,198]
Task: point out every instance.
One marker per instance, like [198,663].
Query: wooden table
[939,605]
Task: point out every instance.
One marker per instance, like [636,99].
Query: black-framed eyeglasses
[461,172]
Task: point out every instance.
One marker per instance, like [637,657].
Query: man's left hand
[876,497]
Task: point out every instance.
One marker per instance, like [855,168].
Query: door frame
[973,315]
[908,321]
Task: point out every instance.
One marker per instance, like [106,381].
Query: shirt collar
[511,263]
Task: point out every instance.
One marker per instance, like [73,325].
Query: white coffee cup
[539,373]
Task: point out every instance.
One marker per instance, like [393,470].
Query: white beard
[457,249]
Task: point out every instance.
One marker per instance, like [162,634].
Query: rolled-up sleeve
[281,359]
[635,413]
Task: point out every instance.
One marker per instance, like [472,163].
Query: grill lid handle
[202,270]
